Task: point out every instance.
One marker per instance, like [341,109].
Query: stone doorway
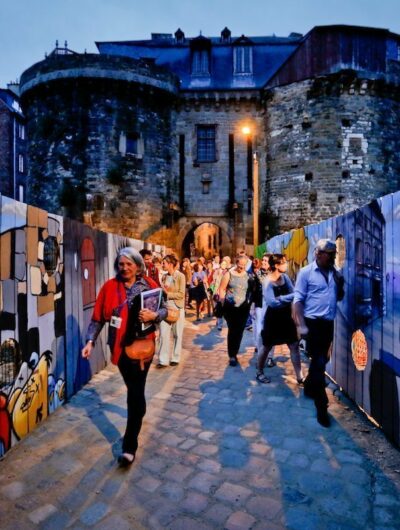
[206,239]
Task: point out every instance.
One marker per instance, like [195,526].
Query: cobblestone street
[217,451]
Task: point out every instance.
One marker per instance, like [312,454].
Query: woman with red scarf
[118,303]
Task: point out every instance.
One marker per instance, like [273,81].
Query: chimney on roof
[161,36]
[226,35]
[179,36]
[13,86]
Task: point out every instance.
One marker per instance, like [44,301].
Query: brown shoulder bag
[172,316]
[141,350]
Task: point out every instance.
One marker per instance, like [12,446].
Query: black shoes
[323,417]
[173,363]
[159,365]
[126,459]
[262,378]
[233,361]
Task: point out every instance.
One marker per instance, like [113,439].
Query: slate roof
[10,100]
[269,53]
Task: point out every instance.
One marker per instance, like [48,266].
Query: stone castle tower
[146,137]
[88,118]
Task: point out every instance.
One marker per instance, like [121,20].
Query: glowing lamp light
[246,131]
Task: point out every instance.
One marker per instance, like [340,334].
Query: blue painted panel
[366,349]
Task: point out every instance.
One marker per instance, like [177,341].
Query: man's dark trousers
[236,318]
[319,340]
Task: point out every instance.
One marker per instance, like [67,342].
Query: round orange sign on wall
[359,349]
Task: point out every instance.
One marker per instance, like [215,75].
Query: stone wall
[332,145]
[207,184]
[325,146]
[79,162]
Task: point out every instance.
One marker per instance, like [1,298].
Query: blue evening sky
[29,28]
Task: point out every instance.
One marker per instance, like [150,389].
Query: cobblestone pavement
[217,451]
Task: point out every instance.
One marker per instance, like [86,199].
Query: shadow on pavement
[268,433]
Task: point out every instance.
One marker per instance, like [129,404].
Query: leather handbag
[172,316]
[141,350]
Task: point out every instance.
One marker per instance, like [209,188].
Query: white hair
[133,255]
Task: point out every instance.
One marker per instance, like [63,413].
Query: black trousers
[319,340]
[135,381]
[236,318]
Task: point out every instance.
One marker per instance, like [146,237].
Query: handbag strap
[117,310]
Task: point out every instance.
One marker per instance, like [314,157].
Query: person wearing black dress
[279,327]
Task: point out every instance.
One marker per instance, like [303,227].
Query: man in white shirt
[319,287]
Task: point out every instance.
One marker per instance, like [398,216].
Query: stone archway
[205,236]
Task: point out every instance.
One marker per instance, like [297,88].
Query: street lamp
[256,195]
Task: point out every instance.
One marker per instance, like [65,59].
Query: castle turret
[99,130]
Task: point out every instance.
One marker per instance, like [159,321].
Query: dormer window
[243,56]
[200,63]
[243,60]
[201,50]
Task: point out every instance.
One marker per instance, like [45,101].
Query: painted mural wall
[365,358]
[51,269]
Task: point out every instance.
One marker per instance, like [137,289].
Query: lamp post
[256,200]
[256,194]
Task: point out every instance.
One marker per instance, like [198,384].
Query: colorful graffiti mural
[366,350]
[51,269]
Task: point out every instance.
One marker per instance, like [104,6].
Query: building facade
[12,145]
[148,135]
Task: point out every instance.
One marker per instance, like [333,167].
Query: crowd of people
[251,293]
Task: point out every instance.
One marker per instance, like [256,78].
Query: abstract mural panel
[51,269]
[366,350]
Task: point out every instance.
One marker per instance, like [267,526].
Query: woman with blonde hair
[173,284]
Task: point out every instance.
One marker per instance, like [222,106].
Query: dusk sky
[29,28]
